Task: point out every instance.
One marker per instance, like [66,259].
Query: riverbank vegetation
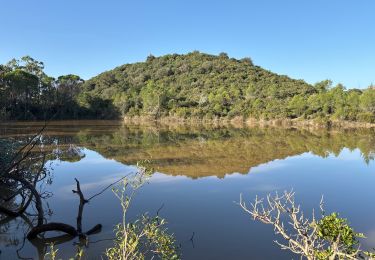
[328,237]
[195,85]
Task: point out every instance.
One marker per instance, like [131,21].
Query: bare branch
[301,237]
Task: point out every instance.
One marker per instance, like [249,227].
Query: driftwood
[82,202]
[68,229]
[53,226]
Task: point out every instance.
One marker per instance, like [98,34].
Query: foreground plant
[146,237]
[52,254]
[331,237]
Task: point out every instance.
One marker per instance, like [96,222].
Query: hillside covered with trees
[206,86]
[194,85]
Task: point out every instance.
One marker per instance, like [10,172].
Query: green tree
[68,86]
[297,106]
[323,86]
[367,100]
[22,89]
[367,105]
[153,99]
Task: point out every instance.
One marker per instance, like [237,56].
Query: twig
[109,186]
[161,207]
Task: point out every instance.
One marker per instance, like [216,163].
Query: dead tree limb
[82,202]
[53,226]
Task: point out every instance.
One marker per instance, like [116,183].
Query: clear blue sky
[311,40]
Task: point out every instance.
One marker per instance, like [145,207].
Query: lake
[200,172]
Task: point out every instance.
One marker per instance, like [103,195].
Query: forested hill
[194,85]
[207,86]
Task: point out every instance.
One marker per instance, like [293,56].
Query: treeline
[28,93]
[207,86]
[194,85]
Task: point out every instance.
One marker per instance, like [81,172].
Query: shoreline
[237,122]
[251,122]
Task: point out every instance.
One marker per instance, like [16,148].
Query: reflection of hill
[223,151]
[198,152]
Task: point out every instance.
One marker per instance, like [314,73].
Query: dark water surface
[201,172]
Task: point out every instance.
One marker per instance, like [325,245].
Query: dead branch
[82,202]
[53,226]
[109,186]
[301,233]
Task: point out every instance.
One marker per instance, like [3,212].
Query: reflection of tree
[202,150]
[194,152]
[205,151]
[21,199]
[20,174]
[72,153]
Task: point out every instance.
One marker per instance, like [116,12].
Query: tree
[338,97]
[367,105]
[367,100]
[323,86]
[68,86]
[247,60]
[25,83]
[297,106]
[22,89]
[150,58]
[28,64]
[223,55]
[153,98]
[32,66]
[4,98]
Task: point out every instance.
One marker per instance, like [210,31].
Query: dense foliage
[193,85]
[26,92]
[333,228]
[206,86]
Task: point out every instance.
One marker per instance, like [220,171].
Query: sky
[310,40]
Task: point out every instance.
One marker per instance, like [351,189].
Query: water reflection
[201,171]
[202,150]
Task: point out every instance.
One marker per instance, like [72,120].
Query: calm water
[201,172]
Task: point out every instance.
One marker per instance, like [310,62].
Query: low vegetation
[144,238]
[328,238]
